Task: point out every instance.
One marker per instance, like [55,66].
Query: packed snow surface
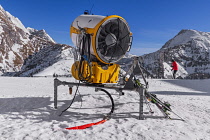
[26,111]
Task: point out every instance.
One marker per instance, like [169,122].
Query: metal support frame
[129,85]
[141,94]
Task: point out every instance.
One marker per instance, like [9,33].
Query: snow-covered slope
[49,61]
[56,62]
[26,111]
[62,67]
[41,34]
[183,37]
[190,48]
[168,74]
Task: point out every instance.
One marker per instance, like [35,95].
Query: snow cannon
[100,42]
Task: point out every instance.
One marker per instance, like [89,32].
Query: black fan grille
[113,40]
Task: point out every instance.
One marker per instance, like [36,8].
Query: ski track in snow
[26,111]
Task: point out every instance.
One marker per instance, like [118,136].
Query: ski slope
[26,111]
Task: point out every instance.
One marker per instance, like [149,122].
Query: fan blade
[101,43]
[103,32]
[121,48]
[107,28]
[113,52]
[109,47]
[101,38]
[124,36]
[113,28]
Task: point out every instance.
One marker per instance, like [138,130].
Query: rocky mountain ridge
[190,48]
[17,43]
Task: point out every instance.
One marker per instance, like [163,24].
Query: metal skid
[129,85]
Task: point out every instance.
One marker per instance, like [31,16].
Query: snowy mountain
[54,60]
[40,33]
[17,43]
[190,48]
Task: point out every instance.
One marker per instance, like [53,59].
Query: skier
[174,68]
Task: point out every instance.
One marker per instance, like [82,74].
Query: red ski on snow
[86,125]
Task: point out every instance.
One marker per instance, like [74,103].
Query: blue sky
[152,22]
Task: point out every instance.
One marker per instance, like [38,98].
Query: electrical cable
[72,99]
[81,70]
[80,101]
[83,53]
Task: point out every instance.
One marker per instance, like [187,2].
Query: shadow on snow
[42,109]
